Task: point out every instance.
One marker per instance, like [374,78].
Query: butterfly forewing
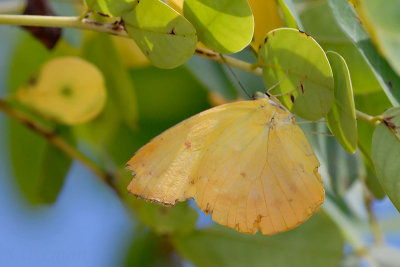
[247,163]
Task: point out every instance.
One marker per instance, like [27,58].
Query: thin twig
[59,142]
[373,120]
[230,61]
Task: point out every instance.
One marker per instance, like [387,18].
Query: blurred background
[88,225]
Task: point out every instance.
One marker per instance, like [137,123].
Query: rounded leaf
[114,8]
[266,18]
[296,68]
[341,118]
[386,154]
[69,90]
[163,35]
[225,26]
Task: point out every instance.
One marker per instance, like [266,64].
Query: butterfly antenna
[236,77]
[320,133]
[307,122]
[287,93]
[275,85]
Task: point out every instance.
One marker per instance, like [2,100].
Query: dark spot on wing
[188,144]
[243,174]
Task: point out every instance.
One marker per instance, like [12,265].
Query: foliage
[110,95]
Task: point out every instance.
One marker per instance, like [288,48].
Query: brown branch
[60,143]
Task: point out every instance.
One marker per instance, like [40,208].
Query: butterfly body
[247,163]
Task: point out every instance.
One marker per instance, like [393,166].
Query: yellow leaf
[130,53]
[247,163]
[266,18]
[69,90]
[176,4]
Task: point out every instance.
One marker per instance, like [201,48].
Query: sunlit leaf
[381,20]
[289,15]
[386,154]
[176,4]
[298,68]
[266,18]
[330,36]
[164,36]
[306,245]
[114,8]
[345,15]
[341,118]
[68,90]
[225,26]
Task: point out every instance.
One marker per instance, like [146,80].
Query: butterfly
[247,163]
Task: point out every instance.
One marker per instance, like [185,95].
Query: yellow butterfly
[247,163]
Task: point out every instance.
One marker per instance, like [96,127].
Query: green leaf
[27,150]
[386,154]
[315,243]
[179,219]
[212,75]
[297,66]
[68,90]
[170,98]
[55,166]
[341,118]
[120,87]
[289,14]
[339,169]
[148,249]
[381,20]
[330,36]
[114,8]
[373,184]
[348,21]
[164,36]
[38,167]
[373,104]
[25,63]
[225,26]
